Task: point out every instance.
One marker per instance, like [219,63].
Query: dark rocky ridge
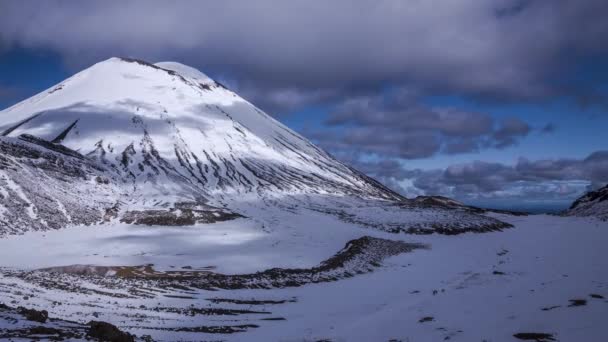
[445,202]
[593,203]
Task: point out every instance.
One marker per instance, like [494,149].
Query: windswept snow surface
[545,275]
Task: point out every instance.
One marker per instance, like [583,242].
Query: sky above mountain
[498,103]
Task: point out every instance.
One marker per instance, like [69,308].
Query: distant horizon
[532,208]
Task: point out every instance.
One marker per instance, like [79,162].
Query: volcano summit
[157,143]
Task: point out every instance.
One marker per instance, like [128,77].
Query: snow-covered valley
[153,198]
[546,275]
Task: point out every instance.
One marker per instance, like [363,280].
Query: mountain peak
[186,71]
[168,134]
[162,144]
[172,68]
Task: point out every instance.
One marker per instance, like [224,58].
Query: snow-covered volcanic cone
[164,144]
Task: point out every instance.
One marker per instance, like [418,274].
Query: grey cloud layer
[398,125]
[556,178]
[497,49]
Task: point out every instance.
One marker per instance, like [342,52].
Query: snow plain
[467,287]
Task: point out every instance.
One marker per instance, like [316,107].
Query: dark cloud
[282,101]
[509,131]
[498,49]
[388,168]
[397,124]
[546,179]
[548,128]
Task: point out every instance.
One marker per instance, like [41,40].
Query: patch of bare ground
[447,221]
[225,329]
[448,229]
[191,311]
[250,301]
[177,217]
[143,271]
[207,329]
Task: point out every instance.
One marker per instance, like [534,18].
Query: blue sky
[29,71]
[417,95]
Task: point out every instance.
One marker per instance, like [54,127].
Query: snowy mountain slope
[44,186]
[170,124]
[593,203]
[152,137]
[48,186]
[165,144]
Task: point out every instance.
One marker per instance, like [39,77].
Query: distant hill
[593,203]
[446,202]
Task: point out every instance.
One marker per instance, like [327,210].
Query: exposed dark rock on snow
[593,203]
[426,319]
[405,217]
[42,188]
[358,256]
[107,332]
[32,325]
[439,201]
[231,329]
[17,327]
[538,337]
[445,202]
[34,315]
[249,301]
[179,216]
[577,302]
